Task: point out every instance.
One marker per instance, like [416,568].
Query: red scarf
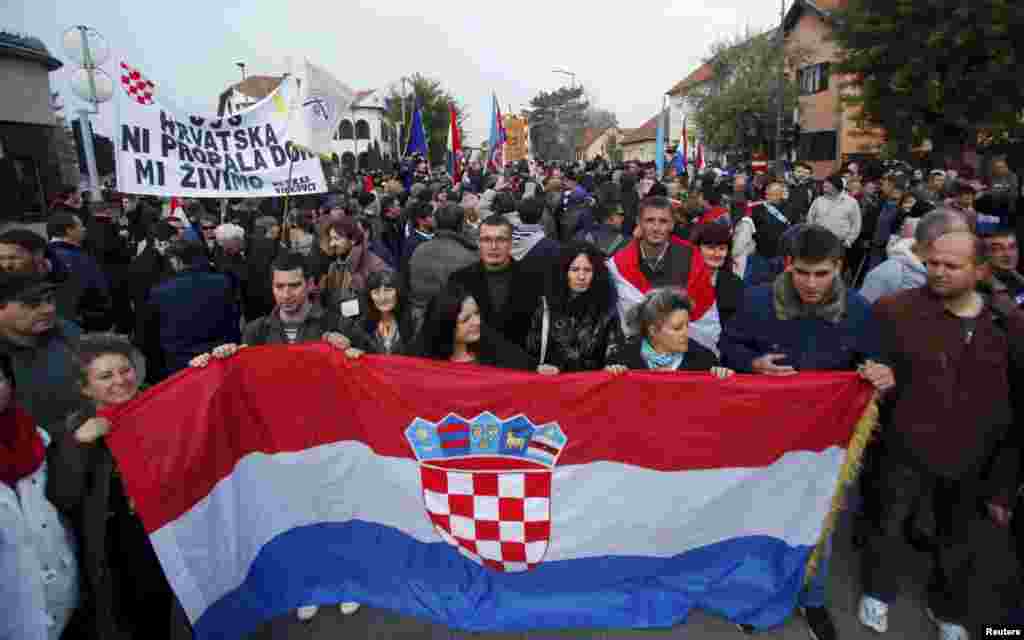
[21,447]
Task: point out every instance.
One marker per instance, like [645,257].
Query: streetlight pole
[781,43]
[241,65]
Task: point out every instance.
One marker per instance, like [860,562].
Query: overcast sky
[626,54]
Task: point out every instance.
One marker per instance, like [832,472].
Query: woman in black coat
[577,325]
[661,343]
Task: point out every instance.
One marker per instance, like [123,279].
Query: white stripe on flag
[598,509]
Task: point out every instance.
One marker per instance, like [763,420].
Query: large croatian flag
[478,498]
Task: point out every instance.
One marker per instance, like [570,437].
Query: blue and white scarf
[657,360]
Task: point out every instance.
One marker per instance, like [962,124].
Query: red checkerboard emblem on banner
[487,486]
[136,85]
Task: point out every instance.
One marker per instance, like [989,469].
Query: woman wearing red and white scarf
[38,565]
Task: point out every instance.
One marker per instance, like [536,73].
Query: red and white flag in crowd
[632,285]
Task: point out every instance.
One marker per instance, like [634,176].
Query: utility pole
[401,152]
[781,43]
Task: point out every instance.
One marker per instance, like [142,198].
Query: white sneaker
[948,630]
[873,614]
[348,608]
[307,612]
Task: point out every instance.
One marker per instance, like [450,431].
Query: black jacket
[728,294]
[577,340]
[769,229]
[524,295]
[363,334]
[269,329]
[698,358]
[258,298]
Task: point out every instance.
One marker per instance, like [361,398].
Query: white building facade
[363,129]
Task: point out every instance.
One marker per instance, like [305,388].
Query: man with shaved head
[945,419]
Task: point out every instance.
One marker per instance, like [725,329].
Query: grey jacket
[903,270]
[44,376]
[434,261]
[840,215]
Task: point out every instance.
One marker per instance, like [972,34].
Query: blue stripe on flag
[752,580]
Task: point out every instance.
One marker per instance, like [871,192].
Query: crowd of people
[910,280]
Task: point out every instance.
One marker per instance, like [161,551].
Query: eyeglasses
[206,228]
[494,241]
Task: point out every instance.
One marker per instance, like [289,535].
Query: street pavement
[992,592]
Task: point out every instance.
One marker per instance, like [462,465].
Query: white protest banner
[163,151]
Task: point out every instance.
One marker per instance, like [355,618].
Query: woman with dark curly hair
[576,326]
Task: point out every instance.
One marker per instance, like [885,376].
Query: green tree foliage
[435,100]
[934,69]
[741,96]
[556,119]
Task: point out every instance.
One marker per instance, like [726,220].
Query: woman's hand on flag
[221,352]
[92,430]
[337,340]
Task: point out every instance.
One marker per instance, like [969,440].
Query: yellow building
[517,141]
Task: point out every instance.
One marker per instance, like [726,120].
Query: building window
[813,79]
[384,135]
[348,160]
[820,145]
[362,130]
[345,130]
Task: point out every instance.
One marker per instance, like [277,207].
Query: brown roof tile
[703,73]
[258,87]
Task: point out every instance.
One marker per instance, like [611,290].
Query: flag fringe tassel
[866,426]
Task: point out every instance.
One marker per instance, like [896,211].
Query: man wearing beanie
[836,211]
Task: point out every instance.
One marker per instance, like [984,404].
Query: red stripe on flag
[452,427]
[454,444]
[177,440]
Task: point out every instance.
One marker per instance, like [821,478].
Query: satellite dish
[86,46]
[82,88]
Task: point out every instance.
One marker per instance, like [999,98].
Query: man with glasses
[506,294]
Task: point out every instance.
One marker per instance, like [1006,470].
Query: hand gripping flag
[476,498]
[632,285]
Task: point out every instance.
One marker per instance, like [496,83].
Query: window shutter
[823,85]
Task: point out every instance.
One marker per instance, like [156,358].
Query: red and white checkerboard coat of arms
[136,85]
[487,485]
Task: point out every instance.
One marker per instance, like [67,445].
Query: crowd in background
[910,278]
